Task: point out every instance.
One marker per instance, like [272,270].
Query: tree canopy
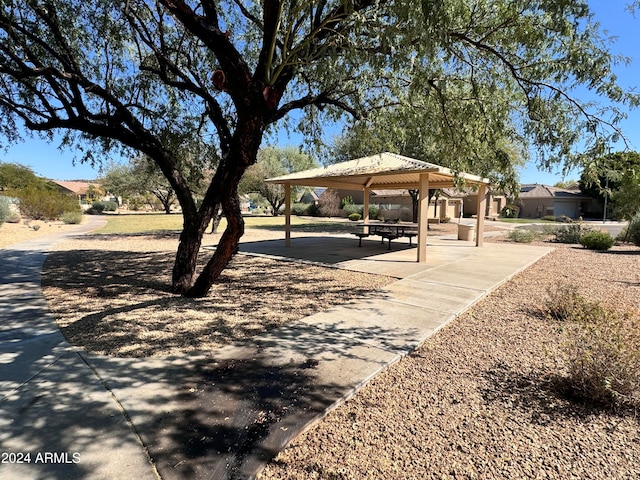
[137,74]
[616,177]
[273,162]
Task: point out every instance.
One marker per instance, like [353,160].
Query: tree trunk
[184,267]
[223,191]
[227,246]
[217,217]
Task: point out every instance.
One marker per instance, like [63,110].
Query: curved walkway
[222,414]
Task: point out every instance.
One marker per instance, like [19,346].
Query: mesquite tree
[134,73]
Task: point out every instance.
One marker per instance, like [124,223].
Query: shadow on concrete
[324,250]
[226,414]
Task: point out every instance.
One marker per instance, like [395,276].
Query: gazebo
[386,171]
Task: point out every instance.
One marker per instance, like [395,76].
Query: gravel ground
[110,295]
[20,232]
[479,400]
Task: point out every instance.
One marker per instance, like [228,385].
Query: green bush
[5,211]
[71,218]
[300,208]
[572,233]
[100,206]
[522,236]
[510,211]
[45,204]
[374,210]
[354,217]
[348,200]
[597,240]
[633,230]
[13,218]
[350,208]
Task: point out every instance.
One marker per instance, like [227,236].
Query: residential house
[536,201]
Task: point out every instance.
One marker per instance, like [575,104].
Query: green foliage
[72,218]
[633,230]
[41,204]
[522,235]
[5,211]
[274,162]
[597,240]
[300,208]
[510,211]
[374,211]
[14,177]
[354,217]
[572,233]
[350,208]
[616,177]
[348,200]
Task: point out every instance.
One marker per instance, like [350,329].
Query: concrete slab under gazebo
[385,171]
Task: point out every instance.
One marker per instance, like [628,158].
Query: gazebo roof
[382,171]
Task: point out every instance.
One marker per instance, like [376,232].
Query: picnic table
[387,231]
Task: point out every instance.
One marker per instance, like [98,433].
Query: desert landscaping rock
[478,400]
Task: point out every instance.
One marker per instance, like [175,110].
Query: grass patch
[162,223]
[526,220]
[142,223]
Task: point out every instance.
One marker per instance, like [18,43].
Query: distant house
[449,203]
[80,190]
[536,201]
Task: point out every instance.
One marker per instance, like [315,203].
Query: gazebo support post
[287,214]
[482,207]
[365,210]
[423,205]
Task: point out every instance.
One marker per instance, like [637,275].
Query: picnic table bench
[387,232]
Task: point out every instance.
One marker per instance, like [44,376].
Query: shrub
[572,233]
[71,218]
[602,356]
[633,230]
[300,208]
[348,200]
[354,217]
[510,211]
[329,203]
[350,208]
[522,236]
[45,204]
[374,210]
[13,218]
[597,240]
[564,303]
[99,207]
[5,211]
[549,218]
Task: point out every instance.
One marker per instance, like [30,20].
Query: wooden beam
[482,207]
[287,214]
[365,209]
[423,206]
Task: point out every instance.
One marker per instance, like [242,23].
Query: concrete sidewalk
[223,414]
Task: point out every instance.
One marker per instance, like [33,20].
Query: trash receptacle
[466,232]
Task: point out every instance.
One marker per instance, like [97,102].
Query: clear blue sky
[48,161]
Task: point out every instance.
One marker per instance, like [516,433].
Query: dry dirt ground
[479,400]
[19,232]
